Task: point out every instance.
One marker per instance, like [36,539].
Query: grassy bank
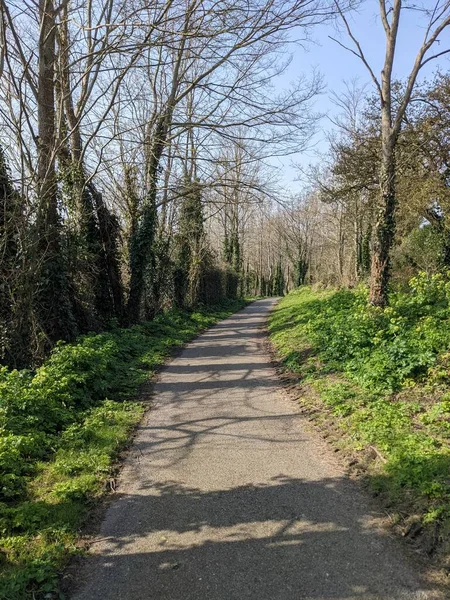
[61,430]
[381,378]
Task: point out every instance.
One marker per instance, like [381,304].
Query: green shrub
[385,348]
[385,374]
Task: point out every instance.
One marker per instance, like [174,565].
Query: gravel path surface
[227,496]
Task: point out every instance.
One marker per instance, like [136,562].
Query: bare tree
[227,61]
[436,21]
[109,108]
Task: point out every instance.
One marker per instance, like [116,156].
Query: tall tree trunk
[52,303]
[341,246]
[390,128]
[358,270]
[141,245]
[97,227]
[142,251]
[385,226]
[48,212]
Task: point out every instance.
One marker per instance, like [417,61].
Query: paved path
[226,496]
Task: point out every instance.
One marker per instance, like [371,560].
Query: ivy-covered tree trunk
[142,255]
[263,286]
[141,249]
[190,246]
[384,229]
[279,282]
[193,215]
[366,252]
[81,243]
[232,253]
[109,289]
[96,279]
[52,303]
[301,271]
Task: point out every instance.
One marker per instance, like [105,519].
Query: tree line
[375,209]
[134,152]
[325,235]
[118,118]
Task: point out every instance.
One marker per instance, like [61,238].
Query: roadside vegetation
[381,379]
[62,429]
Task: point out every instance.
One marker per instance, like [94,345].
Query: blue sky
[338,65]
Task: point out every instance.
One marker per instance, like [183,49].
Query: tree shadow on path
[285,540]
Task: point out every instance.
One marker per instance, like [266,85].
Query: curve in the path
[226,496]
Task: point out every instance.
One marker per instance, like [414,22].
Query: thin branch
[360,54]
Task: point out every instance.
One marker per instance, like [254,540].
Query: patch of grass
[61,431]
[383,374]
[41,531]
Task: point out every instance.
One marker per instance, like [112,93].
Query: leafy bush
[420,250]
[386,348]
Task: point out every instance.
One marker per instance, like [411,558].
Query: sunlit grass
[383,376]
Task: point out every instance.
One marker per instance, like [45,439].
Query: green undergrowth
[383,375]
[61,431]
